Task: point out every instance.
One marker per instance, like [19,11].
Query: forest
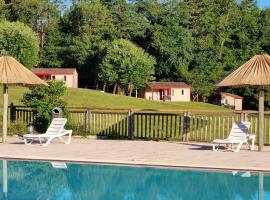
[127,43]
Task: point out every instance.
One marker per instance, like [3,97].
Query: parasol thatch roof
[14,73]
[254,73]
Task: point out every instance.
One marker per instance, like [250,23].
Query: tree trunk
[130,89]
[204,99]
[118,90]
[195,97]
[104,87]
[114,88]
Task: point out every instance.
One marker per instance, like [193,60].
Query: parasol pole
[261,119]
[261,190]
[5,178]
[5,107]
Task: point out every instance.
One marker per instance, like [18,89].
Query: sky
[263,3]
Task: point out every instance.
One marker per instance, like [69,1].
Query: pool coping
[137,164]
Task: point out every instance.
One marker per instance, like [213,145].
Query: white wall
[75,79]
[238,104]
[230,100]
[148,95]
[177,94]
[69,79]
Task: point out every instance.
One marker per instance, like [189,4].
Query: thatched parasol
[254,73]
[14,73]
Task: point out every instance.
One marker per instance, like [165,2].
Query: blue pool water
[40,180]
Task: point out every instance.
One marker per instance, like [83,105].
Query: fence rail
[180,125]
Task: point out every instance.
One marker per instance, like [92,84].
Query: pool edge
[138,164]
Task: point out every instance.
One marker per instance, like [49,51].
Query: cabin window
[172,92]
[65,78]
[182,92]
[226,101]
[53,77]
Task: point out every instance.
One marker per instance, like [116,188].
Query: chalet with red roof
[68,75]
[168,91]
[227,100]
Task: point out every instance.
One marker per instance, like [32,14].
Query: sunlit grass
[96,99]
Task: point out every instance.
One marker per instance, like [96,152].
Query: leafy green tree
[225,34]
[89,28]
[169,40]
[51,54]
[43,100]
[19,41]
[129,24]
[38,14]
[265,30]
[92,18]
[2,9]
[127,65]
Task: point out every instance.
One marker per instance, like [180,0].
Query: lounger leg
[69,138]
[48,141]
[239,147]
[28,143]
[215,148]
[253,143]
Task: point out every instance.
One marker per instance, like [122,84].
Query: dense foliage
[43,100]
[18,40]
[126,66]
[197,41]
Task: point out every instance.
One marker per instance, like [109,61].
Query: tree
[2,9]
[51,54]
[43,100]
[129,23]
[19,41]
[89,28]
[126,65]
[37,14]
[169,40]
[265,30]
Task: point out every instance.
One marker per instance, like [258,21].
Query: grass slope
[95,99]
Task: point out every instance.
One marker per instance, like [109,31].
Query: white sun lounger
[55,130]
[238,136]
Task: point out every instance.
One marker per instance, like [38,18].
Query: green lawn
[95,99]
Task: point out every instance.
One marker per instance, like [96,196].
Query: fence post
[186,126]
[130,125]
[12,112]
[246,117]
[87,120]
[242,116]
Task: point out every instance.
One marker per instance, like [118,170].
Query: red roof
[231,95]
[50,71]
[167,85]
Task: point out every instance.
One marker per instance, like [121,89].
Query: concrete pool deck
[134,152]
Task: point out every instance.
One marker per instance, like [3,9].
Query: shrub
[43,100]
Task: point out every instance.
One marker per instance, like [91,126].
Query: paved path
[169,154]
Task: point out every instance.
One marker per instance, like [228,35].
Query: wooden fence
[181,125]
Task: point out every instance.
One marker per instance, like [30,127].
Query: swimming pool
[60,181]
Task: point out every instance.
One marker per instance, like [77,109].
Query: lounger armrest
[64,131]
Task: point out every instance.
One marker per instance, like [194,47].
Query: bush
[19,41]
[43,100]
[17,128]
